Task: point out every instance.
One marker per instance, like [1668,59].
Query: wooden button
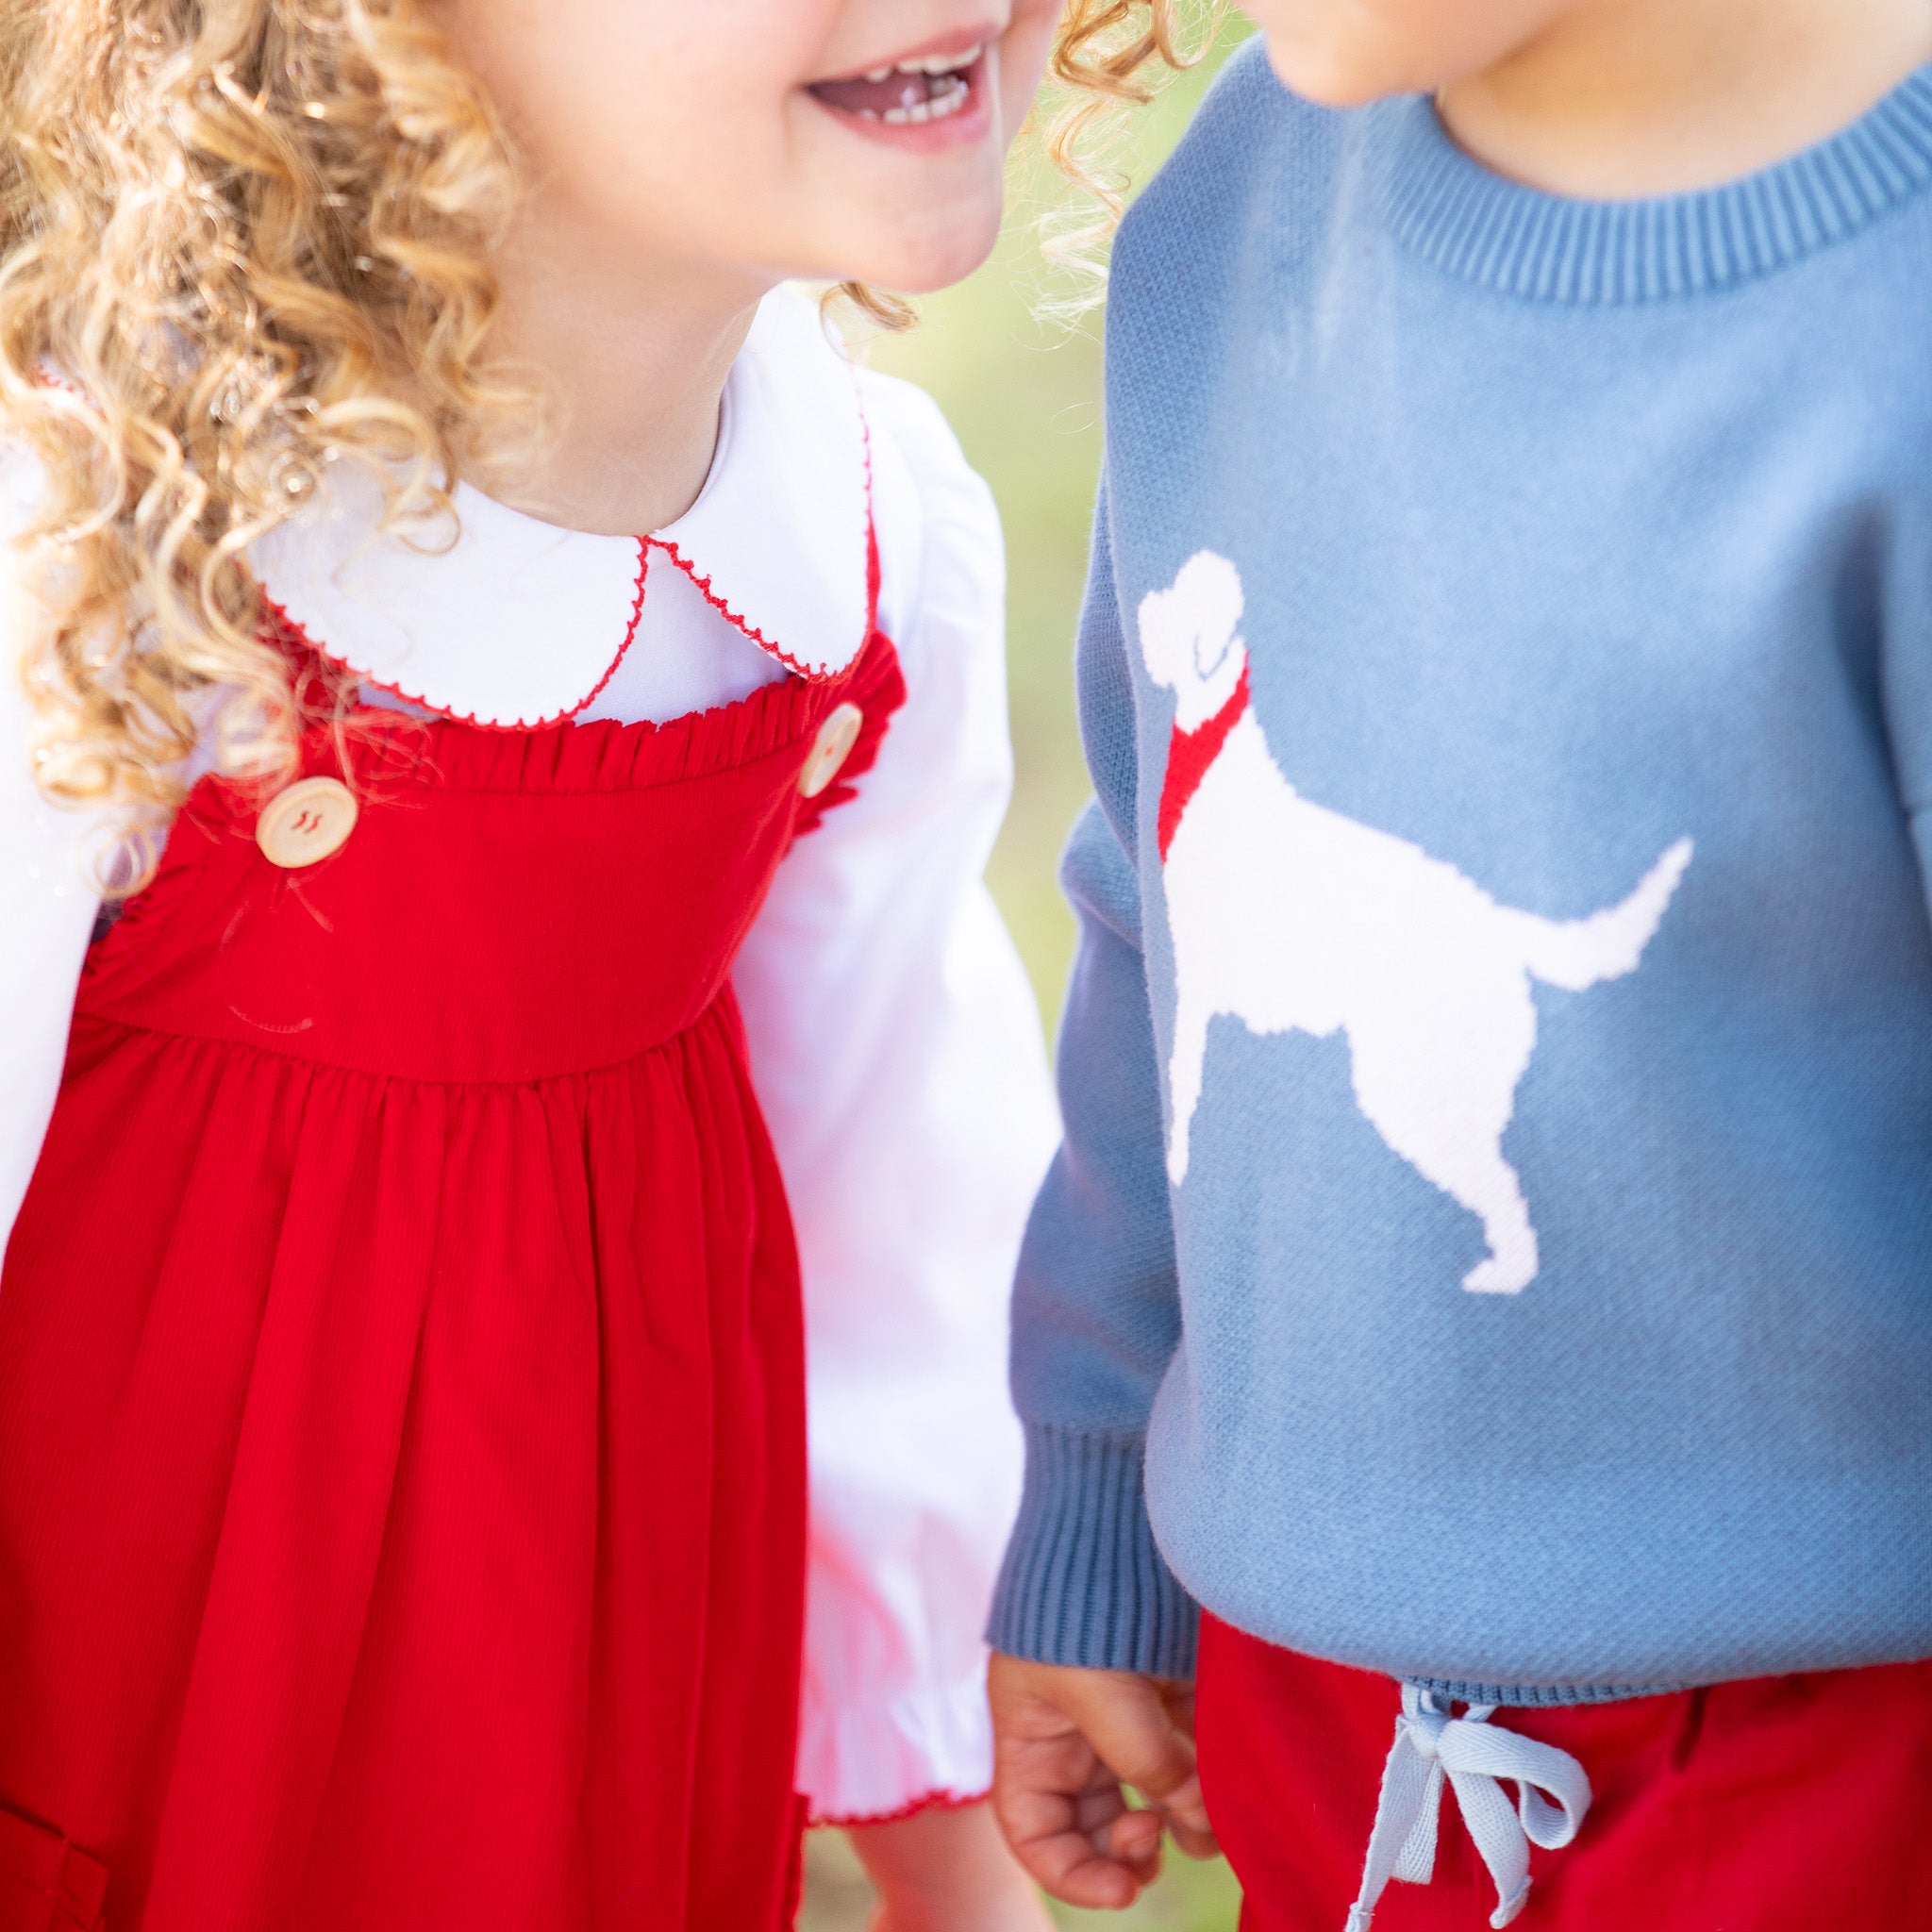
[837,735]
[307,823]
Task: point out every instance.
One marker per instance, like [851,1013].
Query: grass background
[1023,394]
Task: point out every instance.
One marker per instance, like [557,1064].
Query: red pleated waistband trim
[600,755]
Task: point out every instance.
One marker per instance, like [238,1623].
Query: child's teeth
[936,63]
[941,104]
[932,88]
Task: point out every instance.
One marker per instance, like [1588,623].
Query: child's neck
[631,355]
[1620,98]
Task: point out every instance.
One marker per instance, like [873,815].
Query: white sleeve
[47,898]
[898,1053]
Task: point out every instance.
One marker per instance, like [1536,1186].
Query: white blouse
[894,1042]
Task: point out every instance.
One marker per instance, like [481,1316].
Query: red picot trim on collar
[630,630]
[288,631]
[735,618]
[287,626]
[771,646]
[1189,755]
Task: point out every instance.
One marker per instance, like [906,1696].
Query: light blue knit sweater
[1493,1239]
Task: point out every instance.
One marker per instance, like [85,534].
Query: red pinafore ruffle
[402,1479]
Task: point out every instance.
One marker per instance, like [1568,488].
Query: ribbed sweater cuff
[1082,1582]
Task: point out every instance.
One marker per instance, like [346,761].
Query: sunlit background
[1025,397]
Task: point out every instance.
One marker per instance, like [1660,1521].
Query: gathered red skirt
[1798,1804]
[402,1482]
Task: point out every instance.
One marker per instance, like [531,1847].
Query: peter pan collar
[520,624]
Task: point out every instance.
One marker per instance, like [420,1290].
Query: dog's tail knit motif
[1579,953]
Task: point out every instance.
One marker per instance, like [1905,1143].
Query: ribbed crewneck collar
[1450,208]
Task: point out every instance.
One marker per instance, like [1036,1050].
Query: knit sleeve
[899,1057]
[48,899]
[1095,1315]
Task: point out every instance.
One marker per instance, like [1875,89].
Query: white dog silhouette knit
[1295,919]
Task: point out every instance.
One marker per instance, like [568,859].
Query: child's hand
[1065,1741]
[948,1871]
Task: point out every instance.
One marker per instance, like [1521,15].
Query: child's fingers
[1196,1840]
[1133,1840]
[1132,1725]
[1067,1740]
[1069,1825]
[1189,1822]
[1188,1832]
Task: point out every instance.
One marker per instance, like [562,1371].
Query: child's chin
[1329,76]
[922,265]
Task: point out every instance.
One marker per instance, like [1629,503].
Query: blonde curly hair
[1111,56]
[240,240]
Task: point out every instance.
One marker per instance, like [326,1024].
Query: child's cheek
[659,123]
[1023,59]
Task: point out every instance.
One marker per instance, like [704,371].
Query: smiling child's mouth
[931,88]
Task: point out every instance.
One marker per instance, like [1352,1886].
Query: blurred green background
[1189,1898]
[1024,393]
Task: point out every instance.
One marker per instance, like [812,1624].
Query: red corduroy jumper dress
[401,1465]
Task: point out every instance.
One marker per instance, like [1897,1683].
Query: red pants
[1779,1804]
